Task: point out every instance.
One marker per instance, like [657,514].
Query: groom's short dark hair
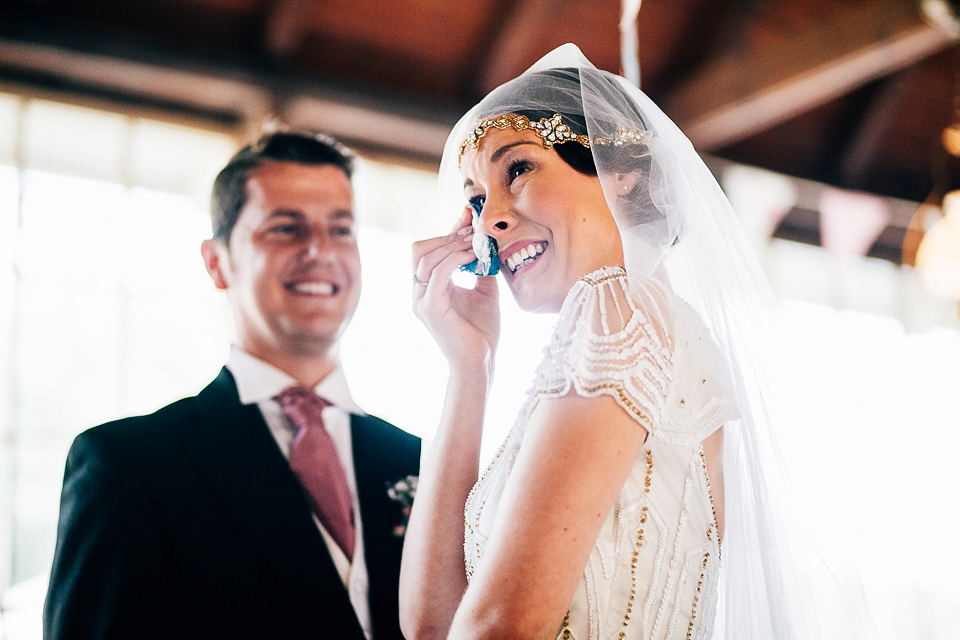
[303,147]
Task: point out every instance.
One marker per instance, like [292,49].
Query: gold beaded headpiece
[550,130]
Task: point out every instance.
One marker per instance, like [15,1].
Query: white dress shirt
[258,383]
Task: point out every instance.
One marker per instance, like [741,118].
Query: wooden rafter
[285,26]
[511,42]
[165,84]
[743,92]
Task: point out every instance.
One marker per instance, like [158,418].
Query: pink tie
[313,458]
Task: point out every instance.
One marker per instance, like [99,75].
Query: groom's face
[292,268]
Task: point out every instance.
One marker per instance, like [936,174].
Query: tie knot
[301,406]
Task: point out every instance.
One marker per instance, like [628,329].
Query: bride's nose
[496,218]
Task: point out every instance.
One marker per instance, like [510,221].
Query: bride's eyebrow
[496,155]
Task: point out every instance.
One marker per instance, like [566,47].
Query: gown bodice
[654,570]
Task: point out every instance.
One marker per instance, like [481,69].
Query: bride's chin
[533,301]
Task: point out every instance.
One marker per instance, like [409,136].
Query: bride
[633,497]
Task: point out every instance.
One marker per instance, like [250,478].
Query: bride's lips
[522,254]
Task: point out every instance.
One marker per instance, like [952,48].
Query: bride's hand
[464,322]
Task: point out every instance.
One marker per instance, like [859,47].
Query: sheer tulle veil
[677,226]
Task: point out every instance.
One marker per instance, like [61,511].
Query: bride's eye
[517,168]
[477,203]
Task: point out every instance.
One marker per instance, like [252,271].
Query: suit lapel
[243,464]
[371,483]
[377,464]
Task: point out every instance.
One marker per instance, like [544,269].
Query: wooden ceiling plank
[745,92]
[285,27]
[351,122]
[510,44]
[875,127]
[341,115]
[197,89]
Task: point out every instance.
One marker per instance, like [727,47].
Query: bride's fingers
[424,247]
[428,254]
[461,228]
[440,272]
[465,220]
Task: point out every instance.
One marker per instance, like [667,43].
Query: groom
[258,508]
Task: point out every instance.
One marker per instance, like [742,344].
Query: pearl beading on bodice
[654,569]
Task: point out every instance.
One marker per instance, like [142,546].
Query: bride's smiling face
[551,222]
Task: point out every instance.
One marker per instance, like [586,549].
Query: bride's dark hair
[558,91]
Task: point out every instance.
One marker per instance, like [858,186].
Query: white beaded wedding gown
[654,570]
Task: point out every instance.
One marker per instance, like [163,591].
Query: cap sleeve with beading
[611,342]
[643,347]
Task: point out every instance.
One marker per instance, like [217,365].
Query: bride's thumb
[487,285]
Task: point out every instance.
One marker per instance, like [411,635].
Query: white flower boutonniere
[402,492]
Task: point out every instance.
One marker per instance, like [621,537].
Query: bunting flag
[851,222]
[761,198]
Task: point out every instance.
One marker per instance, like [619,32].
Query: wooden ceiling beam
[401,127]
[509,46]
[285,27]
[874,128]
[165,84]
[744,91]
[395,131]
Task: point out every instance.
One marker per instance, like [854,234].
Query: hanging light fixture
[938,256]
[932,242]
[951,135]
[945,15]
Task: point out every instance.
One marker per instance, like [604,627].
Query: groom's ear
[216,259]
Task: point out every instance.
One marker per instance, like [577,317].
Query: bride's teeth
[527,253]
[314,288]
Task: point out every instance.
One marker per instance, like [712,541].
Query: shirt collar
[258,381]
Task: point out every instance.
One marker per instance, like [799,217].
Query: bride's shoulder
[606,303]
[613,339]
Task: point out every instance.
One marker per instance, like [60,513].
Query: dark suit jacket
[189,523]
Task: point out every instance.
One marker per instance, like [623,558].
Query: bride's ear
[625,182]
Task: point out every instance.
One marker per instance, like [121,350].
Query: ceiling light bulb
[942,14]
[938,256]
[951,139]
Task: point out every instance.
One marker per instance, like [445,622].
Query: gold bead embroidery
[625,400]
[565,632]
[648,479]
[615,272]
[565,629]
[636,549]
[633,574]
[715,525]
[696,596]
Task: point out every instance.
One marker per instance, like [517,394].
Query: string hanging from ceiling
[629,54]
